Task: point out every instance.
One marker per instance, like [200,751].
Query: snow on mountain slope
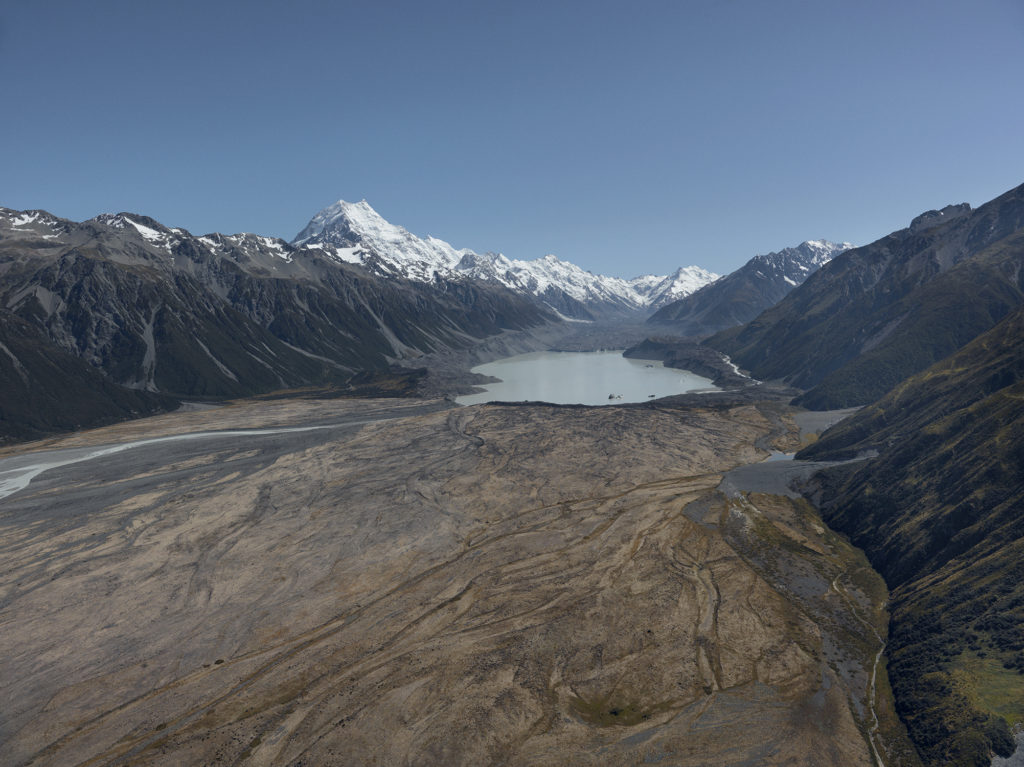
[355,232]
[663,290]
[547,276]
[740,296]
[121,300]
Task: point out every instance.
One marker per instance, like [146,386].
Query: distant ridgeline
[939,511]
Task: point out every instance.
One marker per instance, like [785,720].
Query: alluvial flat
[410,584]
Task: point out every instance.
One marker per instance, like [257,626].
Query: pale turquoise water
[585,378]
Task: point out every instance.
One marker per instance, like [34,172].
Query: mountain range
[882,312]
[161,315]
[355,232]
[140,315]
[739,297]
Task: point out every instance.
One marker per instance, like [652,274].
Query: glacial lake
[584,378]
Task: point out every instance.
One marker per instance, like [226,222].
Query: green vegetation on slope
[939,514]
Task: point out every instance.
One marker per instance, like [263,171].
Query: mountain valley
[321,559]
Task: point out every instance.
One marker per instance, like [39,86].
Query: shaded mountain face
[740,296]
[877,314]
[44,389]
[355,232]
[939,514]
[157,310]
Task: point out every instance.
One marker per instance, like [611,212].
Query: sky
[628,138]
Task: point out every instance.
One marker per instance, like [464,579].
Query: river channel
[585,378]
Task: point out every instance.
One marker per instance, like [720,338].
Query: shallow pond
[585,378]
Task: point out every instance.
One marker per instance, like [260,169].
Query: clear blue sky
[625,137]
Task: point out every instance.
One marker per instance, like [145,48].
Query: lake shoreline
[595,378]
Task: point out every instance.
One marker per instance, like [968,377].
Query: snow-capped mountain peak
[820,252]
[664,290]
[802,259]
[151,231]
[355,215]
[38,223]
[356,232]
[344,226]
